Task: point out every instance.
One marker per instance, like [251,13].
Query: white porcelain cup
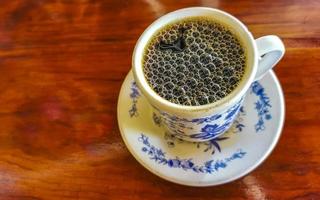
[205,122]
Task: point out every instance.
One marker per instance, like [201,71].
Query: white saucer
[234,154]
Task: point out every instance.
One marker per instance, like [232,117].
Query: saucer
[232,155]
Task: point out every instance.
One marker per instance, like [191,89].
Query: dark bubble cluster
[207,68]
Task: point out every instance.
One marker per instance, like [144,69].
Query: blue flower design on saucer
[209,166]
[262,106]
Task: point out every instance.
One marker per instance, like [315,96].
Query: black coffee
[194,62]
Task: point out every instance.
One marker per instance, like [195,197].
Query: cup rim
[161,102]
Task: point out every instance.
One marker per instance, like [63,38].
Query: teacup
[206,122]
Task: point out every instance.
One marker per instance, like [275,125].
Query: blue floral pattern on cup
[206,128]
[208,146]
[134,95]
[237,123]
[211,145]
[211,130]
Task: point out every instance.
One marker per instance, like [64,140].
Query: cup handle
[270,50]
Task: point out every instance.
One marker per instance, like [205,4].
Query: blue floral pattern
[211,145]
[211,130]
[208,128]
[237,124]
[134,95]
[178,126]
[206,119]
[231,112]
[207,167]
[211,127]
[262,106]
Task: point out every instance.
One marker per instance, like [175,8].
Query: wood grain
[61,67]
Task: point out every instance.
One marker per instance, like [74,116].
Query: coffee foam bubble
[206,70]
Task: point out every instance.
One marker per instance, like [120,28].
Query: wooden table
[62,63]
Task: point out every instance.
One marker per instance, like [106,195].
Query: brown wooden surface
[62,63]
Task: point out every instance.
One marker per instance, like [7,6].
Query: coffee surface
[194,62]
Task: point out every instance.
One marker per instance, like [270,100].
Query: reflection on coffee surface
[194,62]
